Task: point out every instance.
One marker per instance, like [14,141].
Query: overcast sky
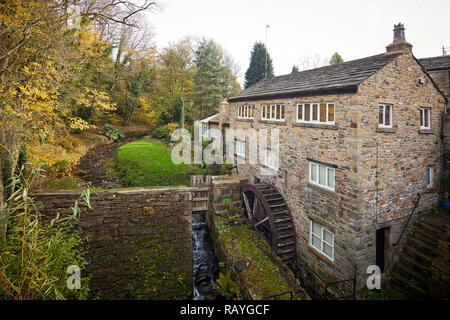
[355,29]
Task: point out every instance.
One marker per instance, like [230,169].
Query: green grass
[148,163]
[59,183]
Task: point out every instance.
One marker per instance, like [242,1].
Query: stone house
[359,142]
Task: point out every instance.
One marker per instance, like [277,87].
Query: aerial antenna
[265,69]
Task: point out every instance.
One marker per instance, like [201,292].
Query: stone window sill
[426,131]
[322,190]
[387,130]
[244,120]
[316,125]
[283,123]
[319,255]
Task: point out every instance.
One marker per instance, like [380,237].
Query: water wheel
[269,214]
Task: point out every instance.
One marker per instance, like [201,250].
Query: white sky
[355,29]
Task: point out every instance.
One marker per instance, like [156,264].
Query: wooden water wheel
[269,214]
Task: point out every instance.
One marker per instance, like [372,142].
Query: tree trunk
[9,155]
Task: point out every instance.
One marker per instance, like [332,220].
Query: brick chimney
[399,43]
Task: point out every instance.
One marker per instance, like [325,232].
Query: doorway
[381,244]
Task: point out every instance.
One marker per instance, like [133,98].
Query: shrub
[226,287]
[34,256]
[111,132]
[161,133]
[172,126]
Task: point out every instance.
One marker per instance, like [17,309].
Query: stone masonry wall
[393,163]
[354,210]
[131,233]
[334,210]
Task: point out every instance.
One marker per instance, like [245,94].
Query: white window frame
[316,180]
[430,173]
[278,108]
[310,120]
[384,106]
[240,148]
[322,240]
[205,130]
[424,125]
[246,112]
[269,159]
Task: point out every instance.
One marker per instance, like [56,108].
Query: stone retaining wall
[132,234]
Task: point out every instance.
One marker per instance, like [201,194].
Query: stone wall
[378,174]
[131,235]
[442,79]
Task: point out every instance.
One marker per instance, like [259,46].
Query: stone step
[425,233]
[418,243]
[425,237]
[404,284]
[417,253]
[418,265]
[414,277]
[433,229]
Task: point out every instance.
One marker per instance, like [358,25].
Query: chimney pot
[399,43]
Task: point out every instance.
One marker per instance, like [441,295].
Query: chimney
[399,43]
[223,112]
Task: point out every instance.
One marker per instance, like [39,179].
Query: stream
[205,263]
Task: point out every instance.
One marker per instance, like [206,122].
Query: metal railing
[416,203]
[274,296]
[350,296]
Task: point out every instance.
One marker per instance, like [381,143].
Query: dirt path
[90,168]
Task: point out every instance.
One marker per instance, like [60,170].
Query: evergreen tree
[256,71]
[209,79]
[336,59]
[295,69]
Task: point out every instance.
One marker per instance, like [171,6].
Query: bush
[35,256]
[112,133]
[161,133]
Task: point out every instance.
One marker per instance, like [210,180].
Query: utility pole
[265,69]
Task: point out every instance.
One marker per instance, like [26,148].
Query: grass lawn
[148,163]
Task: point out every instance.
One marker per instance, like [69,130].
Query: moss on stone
[261,276]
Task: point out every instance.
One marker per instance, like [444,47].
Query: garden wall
[139,240]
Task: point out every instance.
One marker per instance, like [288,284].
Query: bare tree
[309,62]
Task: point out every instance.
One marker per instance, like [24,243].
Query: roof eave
[297,93]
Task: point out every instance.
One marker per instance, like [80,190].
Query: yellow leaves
[79,124]
[172,126]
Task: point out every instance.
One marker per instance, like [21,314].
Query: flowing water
[205,263]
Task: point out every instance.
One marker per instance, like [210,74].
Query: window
[322,240]
[274,112]
[429,177]
[240,148]
[385,116]
[205,130]
[246,112]
[321,175]
[316,113]
[425,122]
[269,159]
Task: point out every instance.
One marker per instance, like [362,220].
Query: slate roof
[436,63]
[339,78]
